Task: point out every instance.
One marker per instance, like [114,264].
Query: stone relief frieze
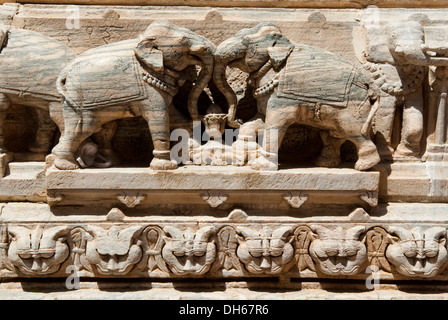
[373,111]
[161,250]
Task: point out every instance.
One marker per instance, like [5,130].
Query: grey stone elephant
[296,83]
[30,63]
[136,77]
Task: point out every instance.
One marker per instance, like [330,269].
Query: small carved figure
[339,251]
[38,251]
[114,251]
[266,251]
[418,253]
[397,57]
[131,78]
[189,252]
[296,83]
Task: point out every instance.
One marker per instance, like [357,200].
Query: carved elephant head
[265,251]
[249,50]
[401,42]
[338,251]
[114,251]
[38,251]
[189,252]
[165,46]
[418,253]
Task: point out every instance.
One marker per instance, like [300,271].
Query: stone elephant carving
[396,55]
[296,83]
[30,63]
[136,77]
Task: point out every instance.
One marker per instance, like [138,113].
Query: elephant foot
[405,154]
[367,161]
[266,163]
[65,164]
[163,164]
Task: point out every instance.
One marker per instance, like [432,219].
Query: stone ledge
[255,3]
[214,185]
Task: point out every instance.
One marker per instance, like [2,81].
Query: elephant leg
[412,128]
[157,116]
[384,124]
[45,133]
[76,131]
[368,155]
[104,140]
[277,123]
[330,156]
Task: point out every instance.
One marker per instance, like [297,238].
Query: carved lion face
[264,251]
[114,251]
[38,251]
[338,252]
[189,252]
[416,253]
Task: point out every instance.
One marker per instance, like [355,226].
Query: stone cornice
[254,3]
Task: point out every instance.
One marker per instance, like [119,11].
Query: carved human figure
[265,251]
[30,63]
[418,253]
[131,78]
[296,83]
[338,251]
[39,250]
[189,252]
[396,55]
[114,251]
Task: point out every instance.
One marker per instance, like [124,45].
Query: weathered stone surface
[259,148]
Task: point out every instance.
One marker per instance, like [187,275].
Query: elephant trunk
[220,81]
[203,79]
[227,52]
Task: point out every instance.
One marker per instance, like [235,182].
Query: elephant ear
[148,54]
[278,55]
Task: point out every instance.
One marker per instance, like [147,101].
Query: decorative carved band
[119,249]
